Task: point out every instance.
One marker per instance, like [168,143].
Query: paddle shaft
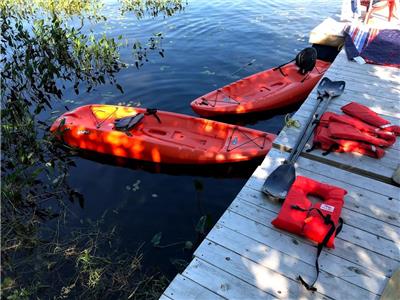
[300,138]
[296,152]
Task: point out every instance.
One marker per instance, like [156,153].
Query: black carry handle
[153,112]
[282,65]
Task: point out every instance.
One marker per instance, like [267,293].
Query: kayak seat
[306,60]
[127,123]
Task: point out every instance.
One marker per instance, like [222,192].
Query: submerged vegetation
[46,48]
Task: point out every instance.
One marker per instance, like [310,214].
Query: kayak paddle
[278,183]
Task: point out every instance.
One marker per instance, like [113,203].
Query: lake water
[204,45]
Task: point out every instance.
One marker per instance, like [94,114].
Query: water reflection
[229,170]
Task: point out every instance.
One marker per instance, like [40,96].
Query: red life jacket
[364,127]
[319,222]
[323,140]
[367,115]
[348,132]
[326,116]
[300,216]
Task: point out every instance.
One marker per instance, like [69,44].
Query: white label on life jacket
[327,207]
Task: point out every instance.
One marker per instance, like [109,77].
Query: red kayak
[267,90]
[159,136]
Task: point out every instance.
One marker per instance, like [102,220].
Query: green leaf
[198,185]
[179,264]
[201,224]
[188,245]
[120,88]
[156,239]
[204,223]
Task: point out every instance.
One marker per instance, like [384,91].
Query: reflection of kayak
[267,90]
[236,170]
[159,136]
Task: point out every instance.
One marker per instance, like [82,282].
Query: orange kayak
[267,90]
[159,136]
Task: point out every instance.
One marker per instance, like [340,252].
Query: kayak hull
[165,138]
[267,90]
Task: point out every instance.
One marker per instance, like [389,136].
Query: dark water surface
[204,45]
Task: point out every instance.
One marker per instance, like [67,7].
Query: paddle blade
[331,88]
[278,183]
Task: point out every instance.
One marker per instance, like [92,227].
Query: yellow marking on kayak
[103,112]
[208,127]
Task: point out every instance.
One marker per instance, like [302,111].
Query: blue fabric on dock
[384,49]
[350,47]
[381,47]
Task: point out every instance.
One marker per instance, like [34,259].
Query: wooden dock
[245,257]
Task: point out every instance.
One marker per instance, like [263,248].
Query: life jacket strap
[333,230]
[314,146]
[332,148]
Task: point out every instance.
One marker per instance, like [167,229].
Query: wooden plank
[351,217]
[390,109]
[254,273]
[379,169]
[288,265]
[389,75]
[275,158]
[221,282]
[341,60]
[302,116]
[299,248]
[359,88]
[184,288]
[347,250]
[391,152]
[359,238]
[374,81]
[363,83]
[357,199]
[336,104]
[387,109]
[374,71]
[288,136]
